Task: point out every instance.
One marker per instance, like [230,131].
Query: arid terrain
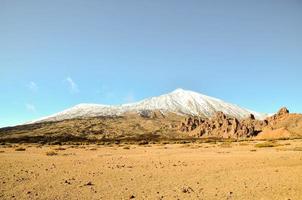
[150,100]
[154,155]
[200,170]
[155,127]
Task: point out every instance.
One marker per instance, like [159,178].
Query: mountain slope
[180,101]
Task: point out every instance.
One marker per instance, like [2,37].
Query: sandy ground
[172,171]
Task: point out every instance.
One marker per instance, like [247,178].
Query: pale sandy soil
[176,171]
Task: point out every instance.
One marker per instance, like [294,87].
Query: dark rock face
[223,126]
[252,117]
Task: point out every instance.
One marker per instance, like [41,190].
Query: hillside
[150,126]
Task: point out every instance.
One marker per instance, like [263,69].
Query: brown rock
[283,111]
[220,125]
[219,115]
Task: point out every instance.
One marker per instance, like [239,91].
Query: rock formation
[222,126]
[283,111]
[281,114]
[281,125]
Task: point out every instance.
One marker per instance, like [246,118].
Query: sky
[59,53]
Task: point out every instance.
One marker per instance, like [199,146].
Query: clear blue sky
[55,54]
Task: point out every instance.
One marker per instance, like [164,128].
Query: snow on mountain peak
[193,103]
[179,101]
[179,90]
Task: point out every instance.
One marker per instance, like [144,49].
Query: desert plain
[199,170]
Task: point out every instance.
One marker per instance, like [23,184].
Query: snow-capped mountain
[179,101]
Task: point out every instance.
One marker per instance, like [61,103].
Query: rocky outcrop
[283,111]
[282,125]
[222,126]
[281,114]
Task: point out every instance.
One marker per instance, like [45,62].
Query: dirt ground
[238,170]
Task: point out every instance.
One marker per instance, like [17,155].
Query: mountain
[179,115]
[181,102]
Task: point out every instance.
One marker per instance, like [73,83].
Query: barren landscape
[202,170]
[159,100]
[153,155]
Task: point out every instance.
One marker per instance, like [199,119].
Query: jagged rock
[219,116]
[251,116]
[183,127]
[234,126]
[220,125]
[223,126]
[283,111]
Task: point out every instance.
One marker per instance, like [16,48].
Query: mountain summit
[182,102]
